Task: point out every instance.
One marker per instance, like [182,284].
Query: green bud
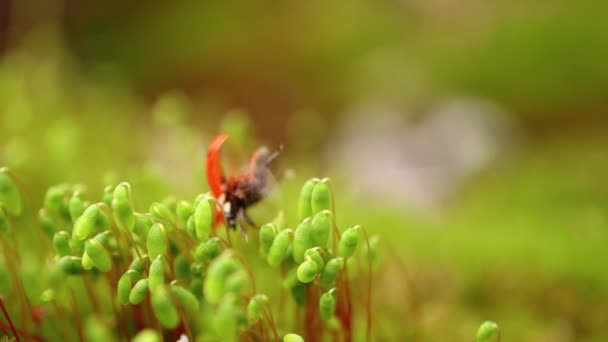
[330,273]
[327,305]
[371,254]
[157,273]
[185,298]
[280,247]
[488,332]
[321,228]
[71,264]
[99,255]
[203,218]
[348,242]
[86,223]
[76,206]
[184,210]
[162,211]
[321,197]
[157,241]
[125,284]
[164,309]
[146,335]
[267,234]
[302,240]
[139,291]
[219,270]
[255,308]
[305,199]
[4,223]
[10,196]
[61,243]
[197,269]
[293,338]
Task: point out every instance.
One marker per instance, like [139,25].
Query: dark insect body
[238,192]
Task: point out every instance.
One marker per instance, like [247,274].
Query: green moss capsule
[143,224]
[315,254]
[203,218]
[186,299]
[293,338]
[99,255]
[4,223]
[196,287]
[307,271]
[207,250]
[488,332]
[226,319]
[371,254]
[321,197]
[86,262]
[86,223]
[76,206]
[181,267]
[330,272]
[236,282]
[47,224]
[123,288]
[122,208]
[47,296]
[56,201]
[280,248]
[190,228]
[299,295]
[157,241]
[327,305]
[164,309]
[162,211]
[138,264]
[139,291]
[157,273]
[321,228]
[71,264]
[10,197]
[302,240]
[184,210]
[348,242]
[305,199]
[219,270]
[267,234]
[146,335]
[255,308]
[107,195]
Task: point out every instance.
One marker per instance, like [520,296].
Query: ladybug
[238,192]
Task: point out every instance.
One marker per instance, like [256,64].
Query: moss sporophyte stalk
[110,271]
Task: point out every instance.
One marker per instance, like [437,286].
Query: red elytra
[240,191]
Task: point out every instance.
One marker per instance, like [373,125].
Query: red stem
[8,319]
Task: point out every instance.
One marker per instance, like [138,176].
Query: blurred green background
[470,135]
